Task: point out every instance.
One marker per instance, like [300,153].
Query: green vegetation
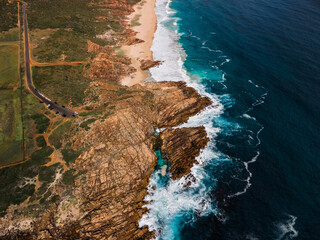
[10,127]
[9,73]
[61,133]
[79,15]
[48,174]
[9,14]
[30,107]
[60,31]
[41,121]
[86,123]
[63,84]
[75,23]
[60,42]
[95,113]
[70,155]
[13,187]
[11,135]
[41,142]
[56,124]
[106,115]
[9,36]
[135,21]
[69,177]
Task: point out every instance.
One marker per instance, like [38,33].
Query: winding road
[65,112]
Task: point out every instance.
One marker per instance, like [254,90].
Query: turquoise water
[258,178]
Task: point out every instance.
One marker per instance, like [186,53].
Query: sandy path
[145,31]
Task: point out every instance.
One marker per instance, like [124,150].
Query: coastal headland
[86,177]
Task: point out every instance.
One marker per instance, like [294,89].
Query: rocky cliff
[104,158]
[106,202]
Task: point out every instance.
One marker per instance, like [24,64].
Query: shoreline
[144,14]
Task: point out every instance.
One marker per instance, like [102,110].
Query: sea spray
[173,205]
[178,203]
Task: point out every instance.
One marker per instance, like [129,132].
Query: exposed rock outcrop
[121,159]
[146,64]
[181,147]
[110,67]
[117,159]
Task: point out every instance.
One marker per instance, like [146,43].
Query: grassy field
[10,112]
[10,127]
[9,75]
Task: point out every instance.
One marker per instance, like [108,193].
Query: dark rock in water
[182,146]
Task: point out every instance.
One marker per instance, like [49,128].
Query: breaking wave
[173,204]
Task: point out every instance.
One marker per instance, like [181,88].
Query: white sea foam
[188,195]
[248,116]
[261,99]
[209,49]
[225,61]
[286,229]
[170,206]
[246,164]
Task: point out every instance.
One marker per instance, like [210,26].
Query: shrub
[69,177]
[41,142]
[41,121]
[70,155]
[86,123]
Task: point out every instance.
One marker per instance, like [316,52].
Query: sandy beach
[144,15]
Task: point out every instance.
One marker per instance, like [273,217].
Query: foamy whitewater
[258,176]
[173,205]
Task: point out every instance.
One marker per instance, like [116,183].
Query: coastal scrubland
[86,177]
[31,134]
[11,146]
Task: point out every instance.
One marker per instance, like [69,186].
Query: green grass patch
[64,84]
[41,121]
[10,127]
[95,113]
[85,124]
[9,72]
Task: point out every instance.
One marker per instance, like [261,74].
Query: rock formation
[105,201]
[181,147]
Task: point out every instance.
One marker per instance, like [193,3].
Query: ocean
[258,178]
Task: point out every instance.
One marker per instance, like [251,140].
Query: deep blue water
[259,177]
[276,45]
